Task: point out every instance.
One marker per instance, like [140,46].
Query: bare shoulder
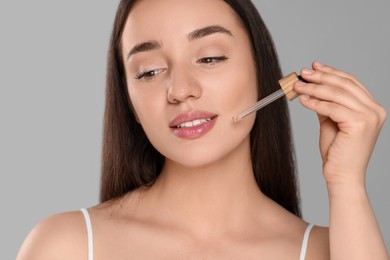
[318,245]
[62,236]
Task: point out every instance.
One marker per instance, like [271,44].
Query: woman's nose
[183,85]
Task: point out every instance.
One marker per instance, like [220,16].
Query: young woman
[181,180]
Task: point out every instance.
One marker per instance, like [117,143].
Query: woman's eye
[212,60]
[148,75]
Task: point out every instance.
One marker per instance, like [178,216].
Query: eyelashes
[212,60]
[151,74]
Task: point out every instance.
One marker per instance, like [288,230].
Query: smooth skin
[209,206]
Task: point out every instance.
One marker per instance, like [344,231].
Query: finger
[330,93]
[372,118]
[326,109]
[328,132]
[325,68]
[324,78]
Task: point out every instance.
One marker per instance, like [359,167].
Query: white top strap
[90,236]
[305,241]
[89,233]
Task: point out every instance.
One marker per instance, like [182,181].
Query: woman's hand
[350,121]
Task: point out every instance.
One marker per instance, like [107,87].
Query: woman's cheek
[144,104]
[240,91]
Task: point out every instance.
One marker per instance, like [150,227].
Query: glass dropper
[286,84]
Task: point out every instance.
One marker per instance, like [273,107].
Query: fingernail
[300,84]
[307,71]
[305,97]
[318,64]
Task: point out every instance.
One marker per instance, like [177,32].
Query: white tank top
[90,237]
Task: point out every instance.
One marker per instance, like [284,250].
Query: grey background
[52,61]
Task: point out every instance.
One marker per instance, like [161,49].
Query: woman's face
[189,70]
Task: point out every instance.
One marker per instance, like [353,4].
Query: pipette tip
[236,119]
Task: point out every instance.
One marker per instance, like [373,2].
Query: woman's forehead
[151,17]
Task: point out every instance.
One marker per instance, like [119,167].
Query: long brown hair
[129,159]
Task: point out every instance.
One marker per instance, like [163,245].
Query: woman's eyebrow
[202,32]
[144,46]
[194,35]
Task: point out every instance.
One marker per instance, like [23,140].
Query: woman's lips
[193,124]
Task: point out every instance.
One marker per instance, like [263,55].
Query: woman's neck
[210,198]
